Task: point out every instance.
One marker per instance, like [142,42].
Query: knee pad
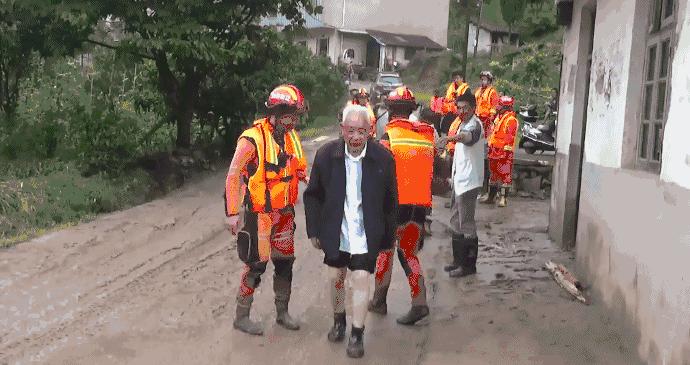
[253,277]
[283,267]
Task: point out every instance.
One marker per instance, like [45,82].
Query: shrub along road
[156,284]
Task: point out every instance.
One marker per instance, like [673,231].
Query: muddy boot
[416,313]
[378,305]
[489,198]
[456,245]
[244,324]
[468,265]
[282,287]
[284,319]
[337,332]
[355,346]
[502,200]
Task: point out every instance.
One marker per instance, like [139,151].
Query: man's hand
[316,243]
[233,224]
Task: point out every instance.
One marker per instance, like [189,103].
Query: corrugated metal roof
[310,21]
[404,40]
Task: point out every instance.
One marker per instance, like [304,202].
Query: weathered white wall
[633,235]
[359,44]
[484,43]
[428,17]
[676,152]
[608,95]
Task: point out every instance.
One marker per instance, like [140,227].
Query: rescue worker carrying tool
[501,148]
[412,145]
[361,97]
[448,109]
[487,100]
[270,162]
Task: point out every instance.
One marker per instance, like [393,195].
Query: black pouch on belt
[247,239]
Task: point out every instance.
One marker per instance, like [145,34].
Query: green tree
[192,41]
[512,11]
[28,26]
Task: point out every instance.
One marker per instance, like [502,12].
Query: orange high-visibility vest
[504,131]
[412,144]
[272,187]
[452,132]
[487,99]
[451,95]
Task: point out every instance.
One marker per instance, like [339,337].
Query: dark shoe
[337,332]
[355,347]
[415,314]
[244,324]
[456,246]
[379,307]
[461,272]
[468,262]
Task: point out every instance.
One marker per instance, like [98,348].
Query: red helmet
[288,99]
[401,96]
[506,102]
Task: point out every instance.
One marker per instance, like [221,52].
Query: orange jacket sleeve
[494,101]
[234,188]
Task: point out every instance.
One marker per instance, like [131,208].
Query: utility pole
[466,43]
[479,21]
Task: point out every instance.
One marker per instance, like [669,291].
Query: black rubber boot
[355,347]
[378,306]
[284,319]
[456,245]
[337,332]
[244,324]
[415,314]
[489,198]
[468,264]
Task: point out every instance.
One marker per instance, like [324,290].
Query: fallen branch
[566,280]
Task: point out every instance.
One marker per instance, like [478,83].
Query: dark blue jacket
[324,198]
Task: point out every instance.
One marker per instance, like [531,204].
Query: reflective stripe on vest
[484,101]
[500,137]
[412,144]
[452,131]
[274,188]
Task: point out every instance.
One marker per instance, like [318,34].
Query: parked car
[385,83]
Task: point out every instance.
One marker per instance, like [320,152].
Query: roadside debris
[566,280]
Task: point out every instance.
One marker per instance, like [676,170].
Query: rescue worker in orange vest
[450,110]
[436,102]
[487,100]
[412,145]
[362,98]
[269,161]
[501,147]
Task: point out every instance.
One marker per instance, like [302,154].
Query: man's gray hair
[356,112]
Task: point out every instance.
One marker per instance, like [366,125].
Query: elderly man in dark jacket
[351,208]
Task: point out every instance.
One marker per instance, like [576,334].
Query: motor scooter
[535,136]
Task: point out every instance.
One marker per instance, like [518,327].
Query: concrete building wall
[429,17]
[357,43]
[484,43]
[633,230]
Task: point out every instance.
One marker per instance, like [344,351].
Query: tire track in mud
[86,322]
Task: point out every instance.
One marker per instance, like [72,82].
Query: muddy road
[156,285]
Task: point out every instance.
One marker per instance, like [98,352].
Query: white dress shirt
[353,239]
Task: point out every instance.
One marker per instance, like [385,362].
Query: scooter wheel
[530,150]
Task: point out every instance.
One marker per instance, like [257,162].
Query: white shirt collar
[356,158]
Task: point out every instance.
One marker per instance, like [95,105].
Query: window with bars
[656,84]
